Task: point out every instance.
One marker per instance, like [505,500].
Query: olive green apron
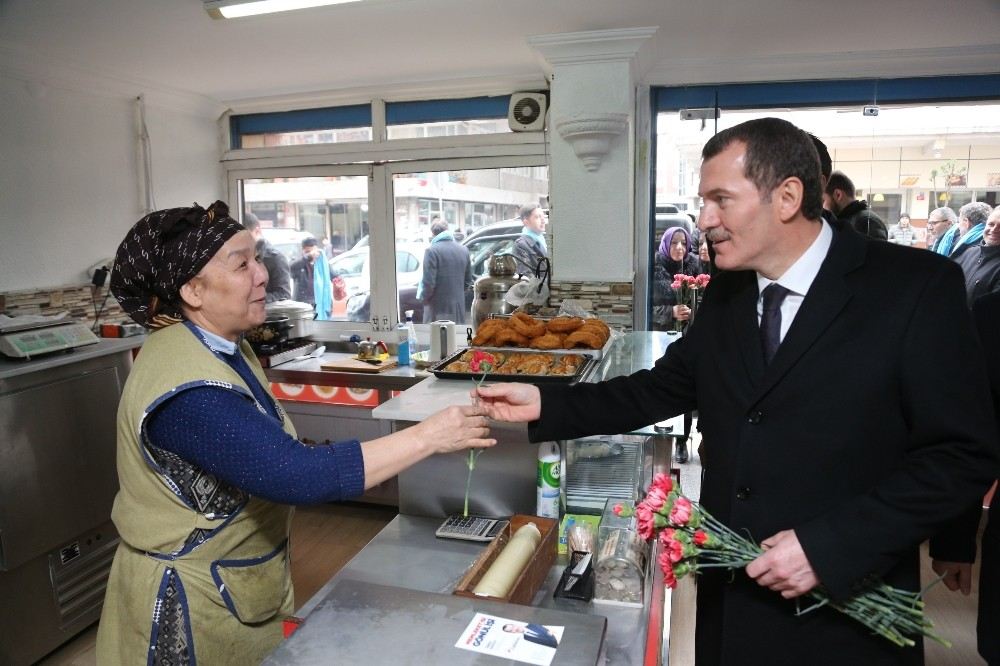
[230,586]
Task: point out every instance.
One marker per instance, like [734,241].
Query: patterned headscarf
[161,253]
[667,239]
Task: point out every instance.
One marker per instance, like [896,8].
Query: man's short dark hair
[839,181]
[775,150]
[439,227]
[251,222]
[309,241]
[825,162]
[526,211]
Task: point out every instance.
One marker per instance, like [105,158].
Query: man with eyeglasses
[939,223]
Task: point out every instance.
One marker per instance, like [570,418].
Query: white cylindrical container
[502,574]
[549,480]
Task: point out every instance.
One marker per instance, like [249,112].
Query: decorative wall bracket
[591,135]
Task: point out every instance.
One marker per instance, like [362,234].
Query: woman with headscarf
[208,462]
[674,256]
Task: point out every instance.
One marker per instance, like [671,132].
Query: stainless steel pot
[299,314]
[492,287]
[273,331]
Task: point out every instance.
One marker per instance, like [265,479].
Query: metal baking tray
[581,370]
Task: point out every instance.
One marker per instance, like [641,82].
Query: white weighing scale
[26,340]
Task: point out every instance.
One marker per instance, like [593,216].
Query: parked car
[355,269]
[493,239]
[483,243]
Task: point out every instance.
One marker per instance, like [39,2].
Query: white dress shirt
[797,279]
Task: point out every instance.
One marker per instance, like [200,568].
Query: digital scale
[29,340]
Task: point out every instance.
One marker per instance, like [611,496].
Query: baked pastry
[588,339]
[564,324]
[527,325]
[548,341]
[508,337]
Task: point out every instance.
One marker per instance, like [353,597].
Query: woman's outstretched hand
[455,428]
[509,401]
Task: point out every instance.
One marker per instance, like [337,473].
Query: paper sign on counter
[511,639]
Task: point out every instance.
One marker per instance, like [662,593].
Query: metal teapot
[371,350]
[491,288]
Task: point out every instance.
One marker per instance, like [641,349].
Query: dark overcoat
[858,436]
[447,276]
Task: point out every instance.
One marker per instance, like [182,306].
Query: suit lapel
[827,297]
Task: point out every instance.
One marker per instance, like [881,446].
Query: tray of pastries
[514,366]
[520,330]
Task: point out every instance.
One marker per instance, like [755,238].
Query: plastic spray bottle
[549,480]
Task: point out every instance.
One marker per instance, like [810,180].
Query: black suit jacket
[859,435]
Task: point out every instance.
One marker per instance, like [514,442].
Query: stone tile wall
[611,301]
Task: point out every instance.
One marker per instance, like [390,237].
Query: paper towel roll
[499,578]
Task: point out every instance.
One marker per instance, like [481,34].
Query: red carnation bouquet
[688,289]
[691,540]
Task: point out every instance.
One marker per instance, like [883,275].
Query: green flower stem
[471,464]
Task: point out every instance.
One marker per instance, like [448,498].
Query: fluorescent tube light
[241,8]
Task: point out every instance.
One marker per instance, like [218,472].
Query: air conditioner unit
[527,112]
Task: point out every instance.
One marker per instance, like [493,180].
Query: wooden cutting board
[350,364]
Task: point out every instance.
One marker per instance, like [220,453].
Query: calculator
[470,528]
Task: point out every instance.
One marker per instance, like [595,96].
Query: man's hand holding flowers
[784,566]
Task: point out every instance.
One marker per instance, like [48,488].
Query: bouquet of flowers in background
[688,289]
[691,540]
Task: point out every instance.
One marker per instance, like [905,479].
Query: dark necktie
[770,319]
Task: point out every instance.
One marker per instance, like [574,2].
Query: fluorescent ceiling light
[241,8]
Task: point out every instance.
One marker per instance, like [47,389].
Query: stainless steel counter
[57,485]
[407,555]
[10,367]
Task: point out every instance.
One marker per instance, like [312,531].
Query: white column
[591,120]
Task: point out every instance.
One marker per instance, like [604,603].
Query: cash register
[30,336]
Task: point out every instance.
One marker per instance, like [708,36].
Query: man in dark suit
[831,442]
[954,549]
[534,633]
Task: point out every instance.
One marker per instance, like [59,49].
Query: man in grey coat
[447,276]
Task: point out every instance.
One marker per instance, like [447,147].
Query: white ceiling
[385,44]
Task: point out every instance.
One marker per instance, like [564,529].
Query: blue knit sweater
[226,435]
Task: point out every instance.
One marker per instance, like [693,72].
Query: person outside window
[279,280]
[981,263]
[902,232]
[530,247]
[447,277]
[302,270]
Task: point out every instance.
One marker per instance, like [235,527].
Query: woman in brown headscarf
[208,462]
